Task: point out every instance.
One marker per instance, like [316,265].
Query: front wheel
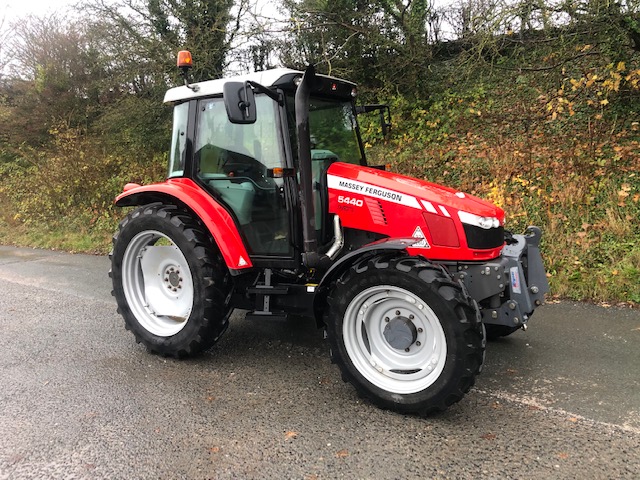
[404,334]
[169,281]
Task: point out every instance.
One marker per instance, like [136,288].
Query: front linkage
[509,288]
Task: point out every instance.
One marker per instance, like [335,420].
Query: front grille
[483,239]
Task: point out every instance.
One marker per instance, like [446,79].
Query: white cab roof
[214,87]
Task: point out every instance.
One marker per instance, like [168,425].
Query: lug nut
[386,319]
[420,330]
[397,312]
[406,349]
[411,317]
[418,343]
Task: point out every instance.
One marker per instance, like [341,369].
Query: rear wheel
[404,334]
[169,280]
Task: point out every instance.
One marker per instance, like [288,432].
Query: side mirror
[382,109]
[239,102]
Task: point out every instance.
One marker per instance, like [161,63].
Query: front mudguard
[509,288]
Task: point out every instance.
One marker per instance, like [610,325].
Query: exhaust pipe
[310,256]
[338,242]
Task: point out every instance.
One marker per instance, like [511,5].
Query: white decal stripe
[346,185]
[444,211]
[429,206]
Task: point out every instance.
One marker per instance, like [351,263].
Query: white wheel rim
[157,283]
[393,369]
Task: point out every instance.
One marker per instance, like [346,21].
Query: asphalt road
[80,399]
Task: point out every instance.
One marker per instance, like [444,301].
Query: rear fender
[344,263]
[217,220]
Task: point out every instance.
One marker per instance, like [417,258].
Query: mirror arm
[370,108]
[381,108]
[245,104]
[275,96]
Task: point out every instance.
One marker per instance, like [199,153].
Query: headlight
[478,221]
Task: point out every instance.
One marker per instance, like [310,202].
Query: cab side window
[177,153]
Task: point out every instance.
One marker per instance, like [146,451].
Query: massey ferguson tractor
[270,207]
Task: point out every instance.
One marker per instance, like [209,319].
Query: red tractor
[270,207]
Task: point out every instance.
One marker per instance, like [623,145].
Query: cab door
[232,161]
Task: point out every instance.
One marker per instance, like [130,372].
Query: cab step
[261,316]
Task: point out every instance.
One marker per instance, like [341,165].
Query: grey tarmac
[80,399]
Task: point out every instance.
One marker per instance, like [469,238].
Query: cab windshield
[333,130]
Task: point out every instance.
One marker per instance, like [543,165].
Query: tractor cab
[251,165]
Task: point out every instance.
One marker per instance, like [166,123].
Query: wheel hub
[400,333]
[172,279]
[394,339]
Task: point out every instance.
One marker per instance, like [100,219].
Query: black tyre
[404,334]
[497,331]
[169,280]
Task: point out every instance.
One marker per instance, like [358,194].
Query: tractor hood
[411,191]
[451,225]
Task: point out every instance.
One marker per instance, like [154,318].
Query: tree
[139,40]
[52,76]
[382,43]
[149,34]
